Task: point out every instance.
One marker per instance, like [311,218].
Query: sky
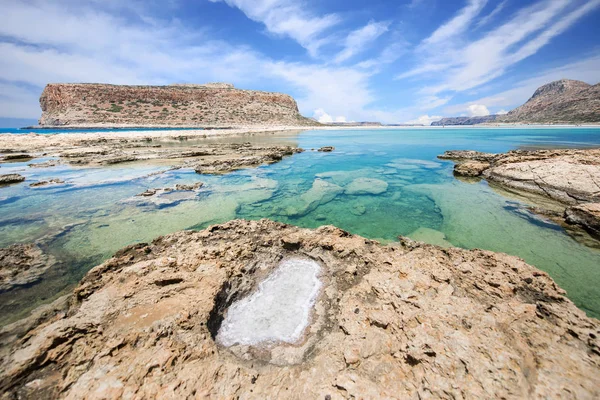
[393,61]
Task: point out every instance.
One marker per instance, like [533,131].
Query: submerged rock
[366,186]
[405,320]
[22,264]
[321,192]
[8,179]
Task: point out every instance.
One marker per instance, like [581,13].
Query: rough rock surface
[175,105]
[8,179]
[22,264]
[563,101]
[569,176]
[465,120]
[585,215]
[470,168]
[407,320]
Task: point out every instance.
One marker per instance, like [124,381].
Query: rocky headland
[465,120]
[407,320]
[211,105]
[569,177]
[561,102]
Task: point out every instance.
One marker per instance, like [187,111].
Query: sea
[381,184]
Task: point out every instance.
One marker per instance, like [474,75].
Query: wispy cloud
[359,39]
[485,20]
[288,18]
[477,62]
[458,24]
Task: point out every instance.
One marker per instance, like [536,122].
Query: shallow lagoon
[379,184]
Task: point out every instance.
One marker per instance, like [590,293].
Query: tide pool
[377,183]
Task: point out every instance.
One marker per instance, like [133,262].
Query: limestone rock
[585,215]
[470,168]
[22,264]
[406,320]
[211,105]
[8,179]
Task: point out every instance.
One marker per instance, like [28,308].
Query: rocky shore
[407,320]
[569,177]
[173,148]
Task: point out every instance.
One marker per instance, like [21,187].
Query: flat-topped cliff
[185,105]
[564,101]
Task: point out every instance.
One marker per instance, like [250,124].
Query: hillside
[464,120]
[565,101]
[186,105]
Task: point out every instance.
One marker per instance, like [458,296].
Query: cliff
[185,105]
[565,101]
[465,120]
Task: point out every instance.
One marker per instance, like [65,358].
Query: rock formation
[7,179]
[565,101]
[210,105]
[22,264]
[570,177]
[465,120]
[407,320]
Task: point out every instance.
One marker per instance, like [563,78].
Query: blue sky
[346,60]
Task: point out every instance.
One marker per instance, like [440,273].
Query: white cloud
[324,118]
[502,112]
[425,120]
[458,24]
[485,20]
[288,18]
[357,40]
[477,110]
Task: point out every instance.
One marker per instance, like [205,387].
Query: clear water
[379,184]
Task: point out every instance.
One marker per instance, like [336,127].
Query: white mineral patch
[280,309]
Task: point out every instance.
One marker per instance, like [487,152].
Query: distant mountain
[465,120]
[565,101]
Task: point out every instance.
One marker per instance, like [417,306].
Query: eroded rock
[470,168]
[22,264]
[585,215]
[406,320]
[8,179]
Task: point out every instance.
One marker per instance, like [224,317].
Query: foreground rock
[403,321]
[8,179]
[22,264]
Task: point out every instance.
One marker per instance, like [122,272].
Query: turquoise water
[379,184]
